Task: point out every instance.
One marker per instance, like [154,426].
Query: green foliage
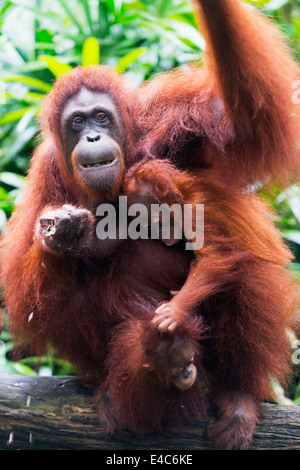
[40,40]
[45,365]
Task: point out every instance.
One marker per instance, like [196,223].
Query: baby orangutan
[173,361]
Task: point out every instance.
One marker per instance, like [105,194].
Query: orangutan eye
[78,121]
[101,117]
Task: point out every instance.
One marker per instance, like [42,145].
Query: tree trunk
[59,413]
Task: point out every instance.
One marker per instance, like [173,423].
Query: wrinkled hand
[166,317]
[65,230]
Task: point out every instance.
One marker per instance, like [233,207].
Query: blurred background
[40,40]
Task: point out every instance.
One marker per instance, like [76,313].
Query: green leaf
[102,19]
[295,269]
[33,97]
[12,179]
[26,121]
[3,195]
[14,116]
[292,235]
[22,139]
[29,67]
[129,58]
[54,21]
[90,52]
[4,7]
[56,67]
[22,369]
[88,15]
[280,397]
[7,368]
[3,219]
[275,4]
[186,31]
[71,16]
[43,36]
[294,203]
[30,81]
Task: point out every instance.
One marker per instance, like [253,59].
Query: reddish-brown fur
[82,304]
[235,113]
[239,277]
[239,283]
[231,124]
[221,128]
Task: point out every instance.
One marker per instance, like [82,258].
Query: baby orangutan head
[173,362]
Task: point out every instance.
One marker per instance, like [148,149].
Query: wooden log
[59,413]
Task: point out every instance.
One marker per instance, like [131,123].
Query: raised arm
[236,112]
[249,61]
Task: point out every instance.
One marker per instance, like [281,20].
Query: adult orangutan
[219,129]
[81,294]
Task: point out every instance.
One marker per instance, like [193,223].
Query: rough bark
[59,413]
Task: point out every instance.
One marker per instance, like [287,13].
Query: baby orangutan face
[183,372]
[173,362]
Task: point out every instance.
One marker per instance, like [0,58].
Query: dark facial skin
[92,135]
[173,362]
[183,370]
